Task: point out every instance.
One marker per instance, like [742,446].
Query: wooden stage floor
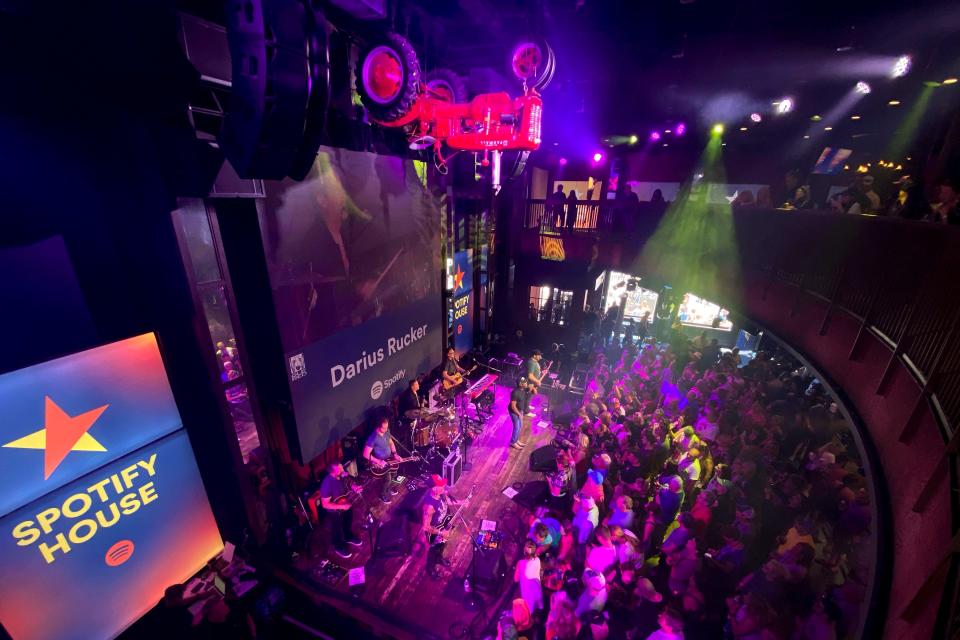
[399,599]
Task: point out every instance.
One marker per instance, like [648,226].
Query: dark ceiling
[626,67]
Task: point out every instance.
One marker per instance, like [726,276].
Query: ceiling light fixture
[654,136]
[862,87]
[743,128]
[756,117]
[816,118]
[854,117]
[680,129]
[901,67]
[894,103]
[949,81]
[784,105]
[828,128]
[634,139]
[717,129]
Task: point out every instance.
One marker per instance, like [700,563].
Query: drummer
[410,400]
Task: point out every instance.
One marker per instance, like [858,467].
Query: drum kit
[434,429]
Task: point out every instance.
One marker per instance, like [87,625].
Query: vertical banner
[462,302]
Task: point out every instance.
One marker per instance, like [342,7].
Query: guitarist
[452,371]
[340,512]
[534,378]
[379,452]
[434,512]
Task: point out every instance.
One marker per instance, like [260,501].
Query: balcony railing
[899,280]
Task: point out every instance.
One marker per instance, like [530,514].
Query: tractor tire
[445,84]
[398,102]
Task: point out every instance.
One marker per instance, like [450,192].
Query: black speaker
[279,87]
[392,539]
[489,569]
[544,459]
[533,494]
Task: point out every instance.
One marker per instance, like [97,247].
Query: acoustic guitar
[390,465]
[458,378]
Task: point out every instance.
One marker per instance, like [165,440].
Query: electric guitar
[458,378]
[543,374]
[448,522]
[385,466]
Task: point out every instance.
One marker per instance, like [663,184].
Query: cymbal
[413,414]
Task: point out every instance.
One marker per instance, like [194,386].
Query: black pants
[435,556]
[341,527]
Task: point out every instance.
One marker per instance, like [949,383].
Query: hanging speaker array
[280,87]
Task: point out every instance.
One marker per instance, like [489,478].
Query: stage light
[854,117]
[806,137]
[666,131]
[949,81]
[666,144]
[862,87]
[743,128]
[633,139]
[900,67]
[563,162]
[828,128]
[893,103]
[784,105]
[597,157]
[756,117]
[816,118]
[717,129]
[681,128]
[654,136]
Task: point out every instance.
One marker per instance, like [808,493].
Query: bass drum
[421,434]
[445,433]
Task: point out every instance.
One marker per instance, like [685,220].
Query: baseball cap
[438,481]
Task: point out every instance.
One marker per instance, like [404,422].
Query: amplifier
[453,466]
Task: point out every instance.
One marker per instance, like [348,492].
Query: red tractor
[434,110]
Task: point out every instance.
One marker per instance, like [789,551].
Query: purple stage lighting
[862,87]
[563,162]
[654,136]
[756,117]
[680,129]
[597,157]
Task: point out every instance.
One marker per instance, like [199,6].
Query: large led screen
[90,558]
[354,259]
[103,505]
[66,417]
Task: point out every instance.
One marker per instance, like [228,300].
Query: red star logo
[458,279]
[60,435]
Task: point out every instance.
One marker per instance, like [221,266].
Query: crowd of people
[705,499]
[904,198]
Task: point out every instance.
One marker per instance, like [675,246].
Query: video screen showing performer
[355,240]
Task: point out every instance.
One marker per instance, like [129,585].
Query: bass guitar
[386,466]
[458,378]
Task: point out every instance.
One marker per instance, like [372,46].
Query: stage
[398,598]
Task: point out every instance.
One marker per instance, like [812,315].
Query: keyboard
[481,385]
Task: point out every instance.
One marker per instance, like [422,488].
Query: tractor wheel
[446,85]
[388,78]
